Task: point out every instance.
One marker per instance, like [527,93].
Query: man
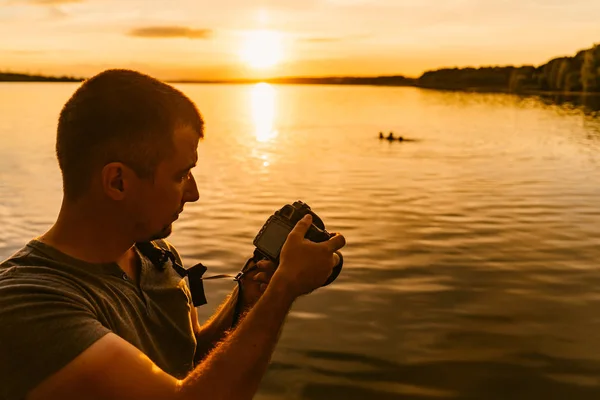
[86,315]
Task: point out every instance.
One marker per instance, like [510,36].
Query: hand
[305,265]
[255,282]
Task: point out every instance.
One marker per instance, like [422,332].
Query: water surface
[471,264]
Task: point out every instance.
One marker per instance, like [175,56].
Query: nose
[191,190]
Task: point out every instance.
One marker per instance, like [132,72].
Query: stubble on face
[163,233]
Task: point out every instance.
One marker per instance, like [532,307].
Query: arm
[254,283]
[251,344]
[215,329]
[113,369]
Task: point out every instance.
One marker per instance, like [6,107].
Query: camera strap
[237,312]
[159,257]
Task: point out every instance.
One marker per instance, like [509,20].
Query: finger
[264,276]
[301,228]
[266,265]
[261,277]
[262,287]
[336,259]
[336,242]
[261,273]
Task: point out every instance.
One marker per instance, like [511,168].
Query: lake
[471,269]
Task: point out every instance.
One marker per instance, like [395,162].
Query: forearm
[233,370]
[215,329]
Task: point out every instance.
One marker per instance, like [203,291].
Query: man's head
[119,136]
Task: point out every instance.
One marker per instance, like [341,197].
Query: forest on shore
[580,73]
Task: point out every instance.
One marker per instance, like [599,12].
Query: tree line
[580,73]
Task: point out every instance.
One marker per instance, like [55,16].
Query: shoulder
[28,277]
[28,286]
[20,257]
[47,320]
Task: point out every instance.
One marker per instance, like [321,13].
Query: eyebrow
[181,171]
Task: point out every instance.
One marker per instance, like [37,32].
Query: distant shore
[565,76]
[351,81]
[396,81]
[19,77]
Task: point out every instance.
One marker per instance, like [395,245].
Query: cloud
[171,32]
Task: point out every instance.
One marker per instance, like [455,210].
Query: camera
[273,234]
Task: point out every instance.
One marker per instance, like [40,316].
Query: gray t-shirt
[53,307]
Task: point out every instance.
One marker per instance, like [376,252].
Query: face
[158,203]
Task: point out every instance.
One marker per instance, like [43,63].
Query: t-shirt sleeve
[44,324]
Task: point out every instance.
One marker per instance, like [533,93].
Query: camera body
[273,234]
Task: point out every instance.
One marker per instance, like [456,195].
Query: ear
[114,180]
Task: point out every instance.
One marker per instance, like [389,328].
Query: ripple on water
[471,259]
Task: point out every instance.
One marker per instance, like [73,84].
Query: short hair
[120,115]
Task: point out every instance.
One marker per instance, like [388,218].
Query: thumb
[301,228]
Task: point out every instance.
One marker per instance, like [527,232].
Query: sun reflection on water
[263,111]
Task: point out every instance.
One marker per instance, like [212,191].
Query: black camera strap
[237,312]
[159,257]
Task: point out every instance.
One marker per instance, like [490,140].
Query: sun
[262,49]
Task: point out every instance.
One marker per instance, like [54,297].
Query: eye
[184,176]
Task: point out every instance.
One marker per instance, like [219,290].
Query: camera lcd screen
[273,238]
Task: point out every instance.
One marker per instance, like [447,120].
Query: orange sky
[218,39]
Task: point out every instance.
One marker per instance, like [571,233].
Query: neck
[90,231]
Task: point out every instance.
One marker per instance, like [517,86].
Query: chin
[165,232]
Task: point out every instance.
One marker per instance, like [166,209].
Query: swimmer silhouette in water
[390,137]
